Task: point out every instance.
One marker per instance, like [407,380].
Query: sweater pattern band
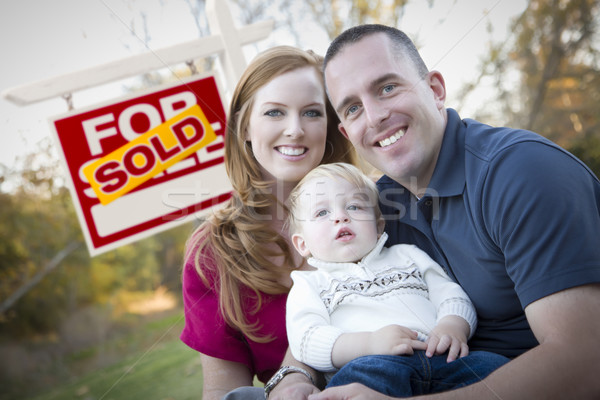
[390,280]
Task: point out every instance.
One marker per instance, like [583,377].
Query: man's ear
[438,86]
[341,129]
[300,245]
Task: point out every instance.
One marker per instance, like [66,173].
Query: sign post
[156,59]
[148,162]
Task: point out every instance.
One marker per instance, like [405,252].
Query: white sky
[40,39]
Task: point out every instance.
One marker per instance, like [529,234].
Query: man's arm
[563,366]
[222,376]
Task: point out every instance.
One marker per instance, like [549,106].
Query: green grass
[146,361]
[151,363]
[168,370]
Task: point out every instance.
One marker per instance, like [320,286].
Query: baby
[395,305]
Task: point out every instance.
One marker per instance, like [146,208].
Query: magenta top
[206,331]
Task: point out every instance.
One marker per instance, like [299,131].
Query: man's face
[394,117]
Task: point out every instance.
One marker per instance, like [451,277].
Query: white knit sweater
[399,285]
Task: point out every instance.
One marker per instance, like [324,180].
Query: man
[512,217]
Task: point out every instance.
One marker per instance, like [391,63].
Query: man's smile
[392,139]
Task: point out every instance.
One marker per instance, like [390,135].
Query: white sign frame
[176,194]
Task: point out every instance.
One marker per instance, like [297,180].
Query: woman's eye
[313,113]
[353,207]
[273,113]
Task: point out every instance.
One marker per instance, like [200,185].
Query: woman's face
[288,125]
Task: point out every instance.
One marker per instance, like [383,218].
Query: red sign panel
[169,197]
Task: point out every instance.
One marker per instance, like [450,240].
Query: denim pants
[406,376]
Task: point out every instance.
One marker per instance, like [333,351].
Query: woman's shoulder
[199,256]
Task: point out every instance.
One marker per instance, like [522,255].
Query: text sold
[149,154]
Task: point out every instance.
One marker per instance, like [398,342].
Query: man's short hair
[403,44]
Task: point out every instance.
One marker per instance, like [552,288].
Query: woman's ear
[246,134]
[300,245]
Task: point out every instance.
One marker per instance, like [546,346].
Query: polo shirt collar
[449,174]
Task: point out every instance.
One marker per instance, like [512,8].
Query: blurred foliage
[38,221]
[588,150]
[335,16]
[332,16]
[547,75]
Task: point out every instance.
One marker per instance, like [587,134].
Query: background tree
[547,75]
[337,15]
[39,223]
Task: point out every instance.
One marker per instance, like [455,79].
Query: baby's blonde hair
[339,170]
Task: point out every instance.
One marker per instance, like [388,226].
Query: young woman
[237,268]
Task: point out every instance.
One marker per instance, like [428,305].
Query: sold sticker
[129,166]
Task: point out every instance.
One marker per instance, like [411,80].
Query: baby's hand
[395,340]
[450,334]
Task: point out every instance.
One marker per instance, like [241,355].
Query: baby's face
[337,221]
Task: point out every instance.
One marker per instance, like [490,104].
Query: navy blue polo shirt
[511,216]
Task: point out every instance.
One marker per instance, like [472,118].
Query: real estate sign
[145,163]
